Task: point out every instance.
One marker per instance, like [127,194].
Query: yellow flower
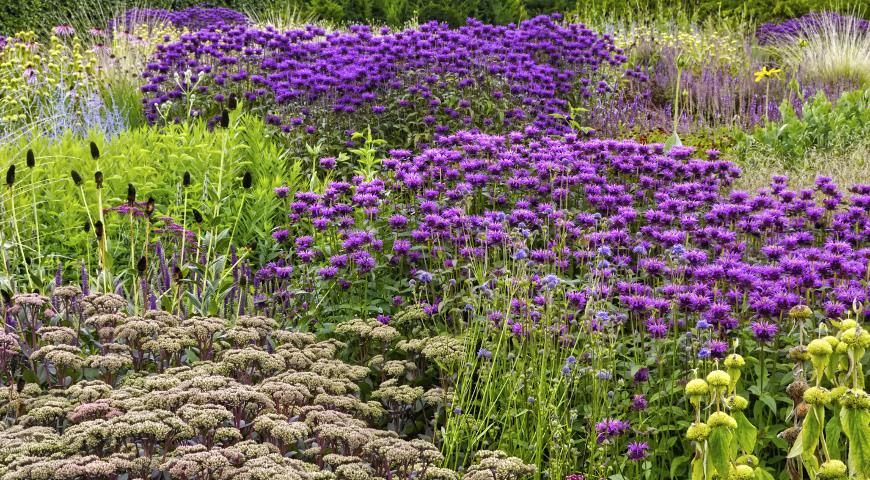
[767,73]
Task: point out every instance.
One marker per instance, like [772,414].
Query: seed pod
[197,217]
[247,181]
[141,265]
[98,229]
[185,179]
[77,179]
[10,176]
[225,119]
[95,152]
[232,102]
[98,179]
[149,206]
[31,159]
[131,194]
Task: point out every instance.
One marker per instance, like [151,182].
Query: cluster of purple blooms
[437,78]
[192,18]
[674,248]
[789,30]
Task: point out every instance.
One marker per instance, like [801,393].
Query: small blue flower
[640,250]
[604,375]
[566,370]
[678,250]
[704,353]
[424,276]
[605,251]
[484,353]
[571,360]
[602,316]
[520,254]
[703,324]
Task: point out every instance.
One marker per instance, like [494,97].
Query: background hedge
[41,15]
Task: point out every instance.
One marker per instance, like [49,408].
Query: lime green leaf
[832,434]
[719,443]
[856,426]
[746,432]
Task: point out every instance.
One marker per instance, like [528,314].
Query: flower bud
[800,312]
[698,432]
[718,378]
[832,470]
[741,472]
[817,396]
[721,419]
[696,388]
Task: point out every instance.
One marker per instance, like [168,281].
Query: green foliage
[154,161]
[822,125]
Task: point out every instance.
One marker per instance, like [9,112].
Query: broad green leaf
[856,426]
[698,468]
[832,434]
[811,433]
[762,474]
[719,449]
[746,433]
[796,449]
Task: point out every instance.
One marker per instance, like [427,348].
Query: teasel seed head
[185,179]
[98,179]
[31,159]
[225,119]
[149,206]
[232,102]
[76,178]
[197,217]
[98,229]
[10,176]
[131,194]
[247,181]
[141,265]
[95,152]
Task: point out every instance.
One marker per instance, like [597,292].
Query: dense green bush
[823,125]
[43,14]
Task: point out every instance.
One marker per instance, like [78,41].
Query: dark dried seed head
[232,102]
[31,159]
[149,206]
[98,179]
[131,194]
[141,265]
[10,176]
[87,226]
[77,179]
[185,179]
[796,390]
[247,181]
[98,229]
[95,152]
[197,217]
[225,119]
